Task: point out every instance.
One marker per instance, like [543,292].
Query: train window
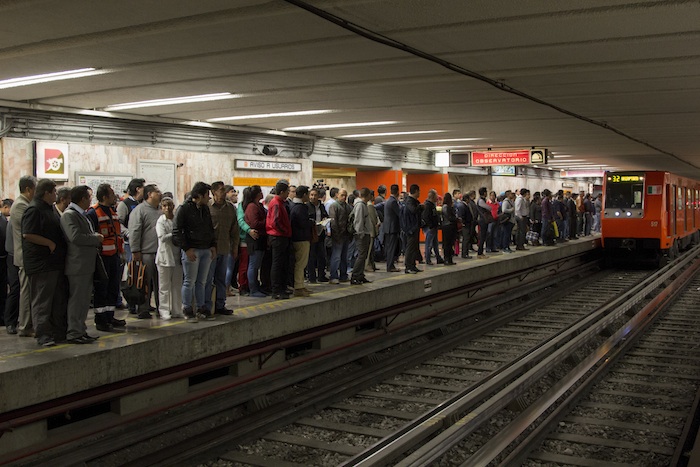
[680,204]
[624,195]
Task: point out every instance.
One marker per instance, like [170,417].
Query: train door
[671,209]
[680,210]
[688,210]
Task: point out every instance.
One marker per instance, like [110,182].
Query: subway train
[649,215]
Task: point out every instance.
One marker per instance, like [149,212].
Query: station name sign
[519,157]
[268,165]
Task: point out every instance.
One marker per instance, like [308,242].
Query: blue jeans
[195,276]
[431,244]
[217,278]
[255,258]
[506,231]
[339,260]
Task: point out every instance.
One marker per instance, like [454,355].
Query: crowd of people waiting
[64,254]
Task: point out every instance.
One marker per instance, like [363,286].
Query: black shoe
[356,282]
[89,337]
[104,327]
[132,311]
[143,315]
[281,296]
[440,261]
[189,315]
[411,271]
[117,323]
[450,263]
[323,279]
[223,311]
[80,340]
[11,329]
[429,263]
[205,314]
[152,309]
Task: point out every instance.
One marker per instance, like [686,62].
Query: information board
[162,173]
[119,182]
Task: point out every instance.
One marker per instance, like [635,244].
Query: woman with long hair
[255,216]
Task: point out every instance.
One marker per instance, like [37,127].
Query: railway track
[384,423]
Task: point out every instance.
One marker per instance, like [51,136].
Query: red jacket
[277,222]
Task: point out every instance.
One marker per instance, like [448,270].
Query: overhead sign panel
[490,158]
[268,165]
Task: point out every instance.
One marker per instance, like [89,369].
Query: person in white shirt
[168,264]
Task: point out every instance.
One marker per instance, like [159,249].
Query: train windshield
[624,191]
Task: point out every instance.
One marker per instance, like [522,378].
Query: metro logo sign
[489,158]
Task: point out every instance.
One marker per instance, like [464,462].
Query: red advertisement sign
[500,158]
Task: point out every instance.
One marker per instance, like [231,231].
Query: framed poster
[162,173]
[119,182]
[51,160]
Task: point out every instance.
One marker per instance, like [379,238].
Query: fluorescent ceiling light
[442,159]
[47,77]
[271,115]
[433,141]
[172,101]
[336,125]
[393,133]
[437,148]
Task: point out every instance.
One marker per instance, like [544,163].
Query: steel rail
[87,398]
[444,416]
[347,386]
[601,360]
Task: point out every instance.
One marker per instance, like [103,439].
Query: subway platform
[31,375]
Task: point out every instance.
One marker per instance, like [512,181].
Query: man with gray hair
[363,230]
[62,199]
[27,186]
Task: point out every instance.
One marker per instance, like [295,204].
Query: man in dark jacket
[317,252]
[301,225]
[44,249]
[464,214]
[431,221]
[410,225]
[339,212]
[194,233]
[279,232]
[392,227]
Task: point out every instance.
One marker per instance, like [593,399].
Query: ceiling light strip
[337,125]
[171,101]
[297,113]
[48,77]
[392,133]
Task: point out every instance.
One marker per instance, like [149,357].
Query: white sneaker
[334,281]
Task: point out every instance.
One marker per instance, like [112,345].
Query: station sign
[518,157]
[274,166]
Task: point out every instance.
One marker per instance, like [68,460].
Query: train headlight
[629,214]
[617,213]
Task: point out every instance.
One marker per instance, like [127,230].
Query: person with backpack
[410,219]
[508,208]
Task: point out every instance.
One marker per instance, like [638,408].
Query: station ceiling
[601,84]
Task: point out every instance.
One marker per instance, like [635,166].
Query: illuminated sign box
[503,170]
[268,165]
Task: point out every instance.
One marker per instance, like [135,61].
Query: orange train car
[648,214]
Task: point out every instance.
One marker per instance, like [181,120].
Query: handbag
[100,274]
[134,288]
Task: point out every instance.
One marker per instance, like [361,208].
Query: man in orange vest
[106,222]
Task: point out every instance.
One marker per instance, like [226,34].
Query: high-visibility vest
[108,226]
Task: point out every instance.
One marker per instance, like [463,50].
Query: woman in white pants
[168,264]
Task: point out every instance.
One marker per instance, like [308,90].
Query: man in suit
[83,245]
[392,228]
[27,186]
